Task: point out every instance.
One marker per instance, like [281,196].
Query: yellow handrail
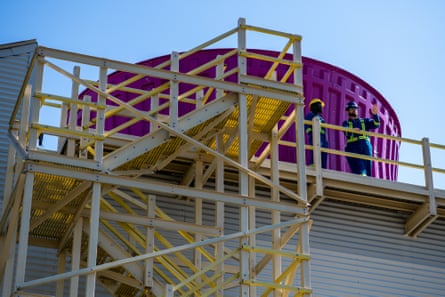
[397,139]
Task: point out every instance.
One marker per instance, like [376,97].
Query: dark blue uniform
[323,139]
[360,144]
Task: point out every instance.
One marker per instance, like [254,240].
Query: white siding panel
[14,61]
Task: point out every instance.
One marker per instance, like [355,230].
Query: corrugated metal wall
[359,251]
[14,62]
[356,251]
[43,262]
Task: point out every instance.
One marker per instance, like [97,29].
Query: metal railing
[430,154]
[83,141]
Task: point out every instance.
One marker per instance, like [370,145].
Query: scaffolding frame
[99,197]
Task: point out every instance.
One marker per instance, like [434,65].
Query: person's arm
[375,121]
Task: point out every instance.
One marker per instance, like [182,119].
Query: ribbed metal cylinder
[337,87]
[333,85]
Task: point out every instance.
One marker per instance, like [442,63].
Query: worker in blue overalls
[359,143]
[316,106]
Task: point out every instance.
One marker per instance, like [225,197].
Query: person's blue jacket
[308,130]
[363,124]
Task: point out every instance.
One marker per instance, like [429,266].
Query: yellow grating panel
[267,113]
[125,290]
[47,191]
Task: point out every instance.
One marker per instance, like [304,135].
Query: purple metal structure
[333,85]
[337,87]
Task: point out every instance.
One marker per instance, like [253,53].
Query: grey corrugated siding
[42,263]
[14,61]
[356,251]
[359,251]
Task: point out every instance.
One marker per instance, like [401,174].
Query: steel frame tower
[103,199]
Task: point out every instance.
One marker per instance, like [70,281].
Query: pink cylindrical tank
[333,85]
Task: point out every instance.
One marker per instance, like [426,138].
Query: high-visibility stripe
[353,138]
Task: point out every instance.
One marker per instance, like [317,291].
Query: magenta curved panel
[332,84]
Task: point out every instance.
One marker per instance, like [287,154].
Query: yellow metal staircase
[172,212]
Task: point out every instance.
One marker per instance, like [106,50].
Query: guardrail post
[174,91]
[428,170]
[427,212]
[316,144]
[73,112]
[100,126]
[83,151]
[36,105]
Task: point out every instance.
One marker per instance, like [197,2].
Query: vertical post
[63,124]
[14,160]
[24,229]
[219,75]
[73,111]
[199,99]
[252,237]
[305,274]
[83,152]
[316,143]
[7,258]
[100,126]
[36,105]
[428,171]
[60,284]
[198,218]
[243,160]
[10,177]
[93,239]
[95,199]
[148,279]
[75,257]
[154,104]
[275,196]
[276,216]
[299,126]
[24,118]
[174,92]
[219,216]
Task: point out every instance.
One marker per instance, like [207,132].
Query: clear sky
[397,46]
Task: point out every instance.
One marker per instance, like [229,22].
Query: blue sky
[397,46]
